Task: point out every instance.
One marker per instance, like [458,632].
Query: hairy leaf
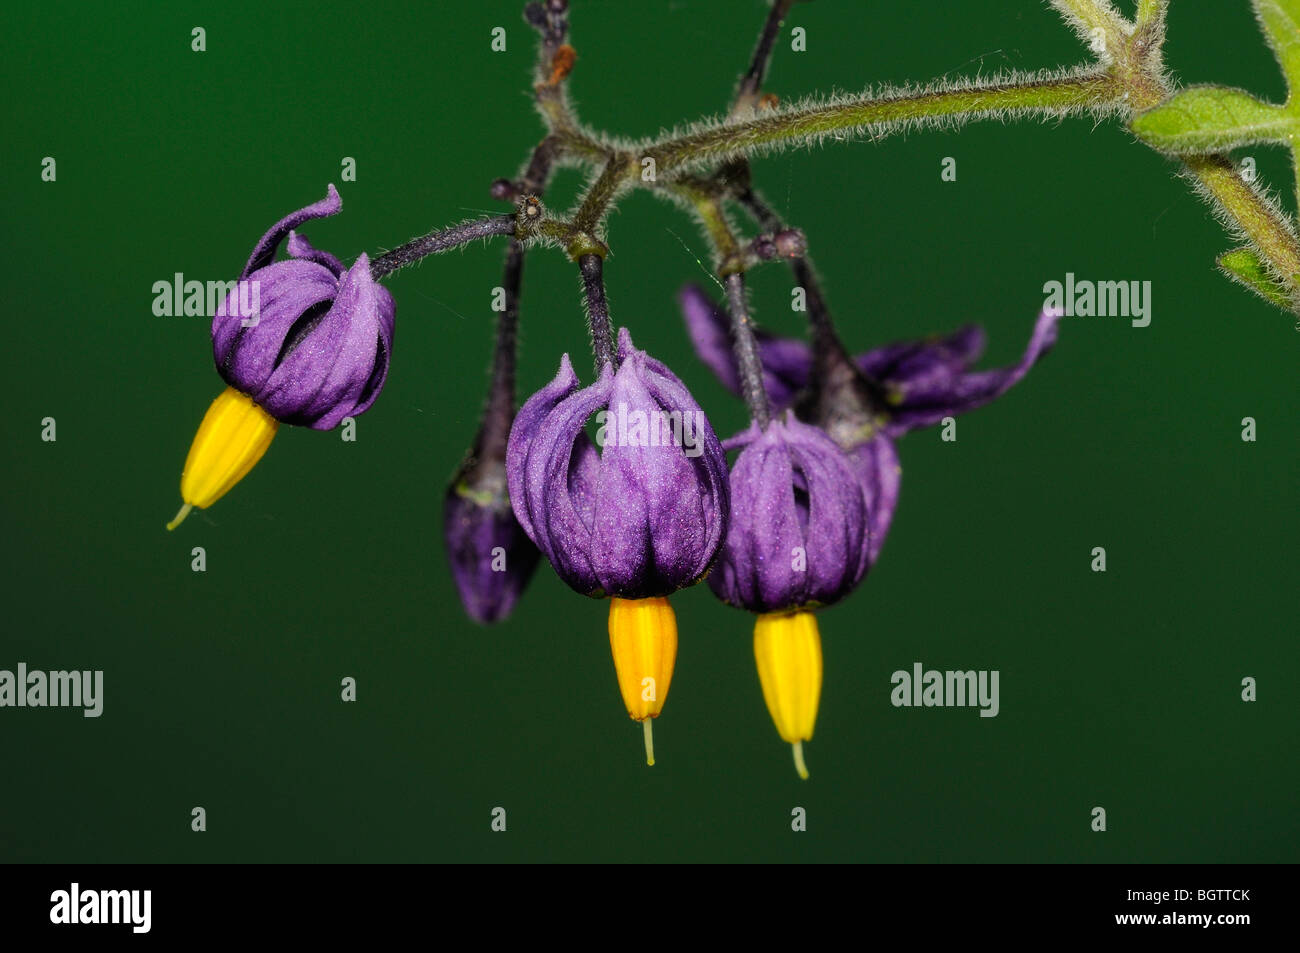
[1213,119]
[1281,22]
[1245,267]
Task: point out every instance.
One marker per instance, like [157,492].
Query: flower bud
[491,556]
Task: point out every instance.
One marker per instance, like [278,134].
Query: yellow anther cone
[788,651]
[234,434]
[643,638]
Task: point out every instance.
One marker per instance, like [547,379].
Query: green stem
[708,209]
[1096,15]
[579,144]
[1080,89]
[1273,234]
[1150,10]
[602,192]
[1134,81]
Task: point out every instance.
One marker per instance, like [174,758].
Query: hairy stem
[1081,89]
[1150,10]
[1271,232]
[440,241]
[598,321]
[500,411]
[828,350]
[746,347]
[1095,15]
[602,192]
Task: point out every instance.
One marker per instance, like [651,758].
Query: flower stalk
[599,324]
[444,239]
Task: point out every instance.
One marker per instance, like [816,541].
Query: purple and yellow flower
[314,350]
[800,528]
[813,494]
[799,538]
[634,515]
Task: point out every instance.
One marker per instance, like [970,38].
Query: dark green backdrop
[1119,690]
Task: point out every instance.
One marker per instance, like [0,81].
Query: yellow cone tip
[798,760]
[233,436]
[649,743]
[180,516]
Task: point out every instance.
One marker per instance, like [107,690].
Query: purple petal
[787,362]
[799,522]
[299,247]
[265,249]
[699,445]
[551,475]
[246,356]
[658,512]
[743,438]
[787,368]
[525,428]
[755,570]
[926,401]
[320,380]
[838,541]
[876,463]
[383,356]
[710,335]
[904,361]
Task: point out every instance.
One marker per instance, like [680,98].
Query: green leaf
[1281,22]
[1213,119]
[1245,267]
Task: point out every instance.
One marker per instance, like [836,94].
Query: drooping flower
[644,514]
[635,515]
[823,504]
[799,534]
[799,539]
[309,345]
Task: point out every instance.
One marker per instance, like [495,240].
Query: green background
[1119,689]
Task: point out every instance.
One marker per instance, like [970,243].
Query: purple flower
[800,530]
[317,347]
[645,514]
[919,382]
[491,557]
[895,388]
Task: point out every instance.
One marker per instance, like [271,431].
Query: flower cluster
[648,505]
[621,484]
